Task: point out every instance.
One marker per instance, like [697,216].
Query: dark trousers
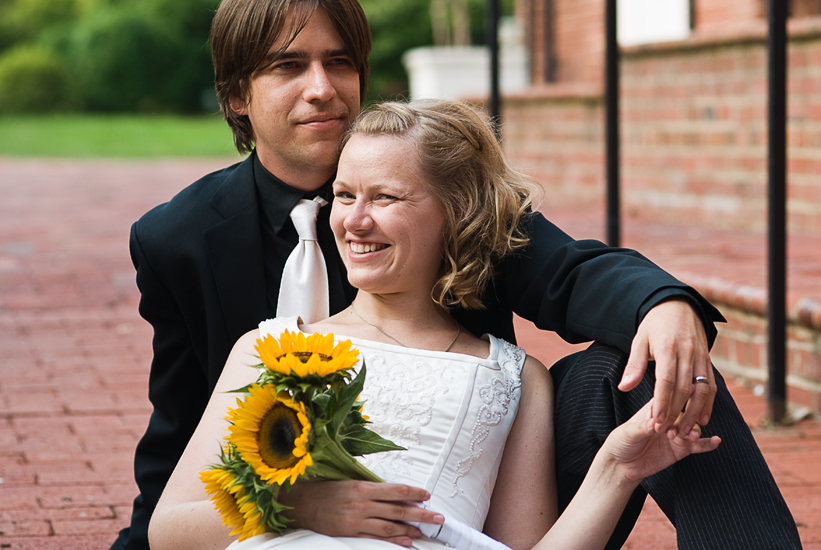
[725,499]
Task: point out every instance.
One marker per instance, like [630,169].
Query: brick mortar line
[734,368]
[78,414]
[798,30]
[751,299]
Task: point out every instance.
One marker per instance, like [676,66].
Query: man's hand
[672,335]
[359,509]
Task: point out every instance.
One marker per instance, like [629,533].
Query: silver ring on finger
[700,380]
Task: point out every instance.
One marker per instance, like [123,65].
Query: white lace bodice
[452,412]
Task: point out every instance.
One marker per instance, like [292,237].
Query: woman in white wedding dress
[424,205]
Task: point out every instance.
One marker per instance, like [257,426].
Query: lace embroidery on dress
[399,400]
[512,361]
[495,397]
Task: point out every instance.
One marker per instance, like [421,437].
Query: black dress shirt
[279,237]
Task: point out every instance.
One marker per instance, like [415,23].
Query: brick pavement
[74,353]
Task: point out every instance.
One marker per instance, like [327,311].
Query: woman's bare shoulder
[536,376]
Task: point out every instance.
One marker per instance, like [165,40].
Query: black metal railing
[777,12]
[777,185]
[492,37]
[777,210]
[611,117]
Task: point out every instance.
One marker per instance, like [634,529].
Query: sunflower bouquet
[302,418]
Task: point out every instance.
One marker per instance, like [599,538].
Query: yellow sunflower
[221,485]
[271,433]
[252,516]
[295,353]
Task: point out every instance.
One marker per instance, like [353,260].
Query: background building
[693,136]
[693,109]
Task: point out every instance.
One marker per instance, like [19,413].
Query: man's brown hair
[243,32]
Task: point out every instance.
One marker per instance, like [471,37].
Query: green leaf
[354,417]
[359,440]
[244,389]
[320,402]
[342,400]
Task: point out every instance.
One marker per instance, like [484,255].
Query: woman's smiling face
[387,224]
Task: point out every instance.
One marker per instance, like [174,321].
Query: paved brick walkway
[74,353]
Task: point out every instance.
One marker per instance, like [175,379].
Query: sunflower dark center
[305,355]
[277,433]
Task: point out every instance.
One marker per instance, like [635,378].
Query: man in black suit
[290,77]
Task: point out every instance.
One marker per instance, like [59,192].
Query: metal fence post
[777,210]
[492,37]
[611,108]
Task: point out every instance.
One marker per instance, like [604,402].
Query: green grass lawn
[115,136]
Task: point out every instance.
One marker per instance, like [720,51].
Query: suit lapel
[235,252]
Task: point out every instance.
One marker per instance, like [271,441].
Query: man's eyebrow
[340,52]
[302,54]
[299,55]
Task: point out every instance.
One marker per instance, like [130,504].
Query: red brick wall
[724,13]
[556,135]
[802,8]
[693,130]
[531,12]
[578,29]
[727,13]
[694,146]
[741,350]
[578,32]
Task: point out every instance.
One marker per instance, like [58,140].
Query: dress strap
[511,358]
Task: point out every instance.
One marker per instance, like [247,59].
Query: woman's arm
[185,517]
[630,453]
[523,510]
[524,504]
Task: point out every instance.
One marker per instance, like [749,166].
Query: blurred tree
[396,26]
[149,57]
[451,22]
[22,21]
[120,57]
[152,55]
[34,80]
[191,21]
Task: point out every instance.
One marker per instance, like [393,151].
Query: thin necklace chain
[458,331]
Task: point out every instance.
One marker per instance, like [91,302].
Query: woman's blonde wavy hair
[483,198]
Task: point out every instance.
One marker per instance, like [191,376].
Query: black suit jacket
[202,282]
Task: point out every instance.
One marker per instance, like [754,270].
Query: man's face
[302,104]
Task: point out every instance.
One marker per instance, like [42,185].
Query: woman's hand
[359,509]
[639,451]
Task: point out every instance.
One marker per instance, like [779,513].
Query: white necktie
[304,288]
